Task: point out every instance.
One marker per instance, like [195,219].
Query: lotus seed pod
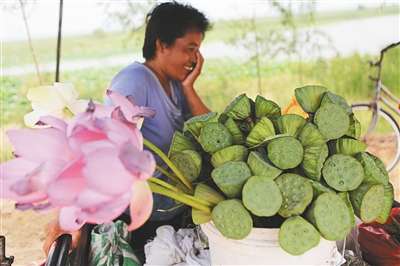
[348,146]
[285,152]
[368,201]
[313,160]
[200,217]
[261,196]
[374,169]
[208,194]
[297,194]
[310,136]
[319,188]
[230,178]
[343,172]
[233,128]
[330,97]
[196,123]
[180,143]
[332,121]
[346,198]
[214,137]
[268,108]
[239,108]
[232,219]
[264,129]
[309,97]
[260,167]
[290,124]
[188,162]
[330,215]
[297,236]
[245,126]
[354,128]
[388,195]
[232,153]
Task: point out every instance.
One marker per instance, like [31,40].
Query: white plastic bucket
[261,247]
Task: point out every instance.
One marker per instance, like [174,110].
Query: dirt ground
[24,231]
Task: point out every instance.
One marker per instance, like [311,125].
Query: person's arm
[196,105]
[53,231]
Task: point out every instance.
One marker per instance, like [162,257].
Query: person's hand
[53,231]
[188,82]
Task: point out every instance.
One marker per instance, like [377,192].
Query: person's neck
[162,77]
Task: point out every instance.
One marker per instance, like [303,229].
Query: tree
[22,5]
[130,14]
[291,36]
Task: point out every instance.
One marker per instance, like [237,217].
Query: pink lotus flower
[91,167]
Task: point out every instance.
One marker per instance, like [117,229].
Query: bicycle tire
[395,127]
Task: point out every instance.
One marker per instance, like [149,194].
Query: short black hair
[169,21]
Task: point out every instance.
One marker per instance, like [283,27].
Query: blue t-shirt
[138,81]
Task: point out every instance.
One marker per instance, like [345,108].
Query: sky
[85,16]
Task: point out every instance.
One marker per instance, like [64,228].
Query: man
[164,82]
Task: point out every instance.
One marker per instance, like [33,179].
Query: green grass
[74,47]
[102,44]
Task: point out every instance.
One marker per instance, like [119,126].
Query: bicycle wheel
[384,140]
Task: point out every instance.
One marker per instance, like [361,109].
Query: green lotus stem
[175,189]
[166,185]
[178,182]
[163,184]
[170,164]
[168,174]
[206,203]
[179,196]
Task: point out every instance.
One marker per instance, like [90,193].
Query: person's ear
[160,46]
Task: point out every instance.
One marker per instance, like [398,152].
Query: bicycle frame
[382,93]
[390,100]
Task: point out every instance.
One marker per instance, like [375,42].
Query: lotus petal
[49,143]
[141,204]
[69,218]
[105,172]
[141,164]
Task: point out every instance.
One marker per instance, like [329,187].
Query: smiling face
[177,60]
